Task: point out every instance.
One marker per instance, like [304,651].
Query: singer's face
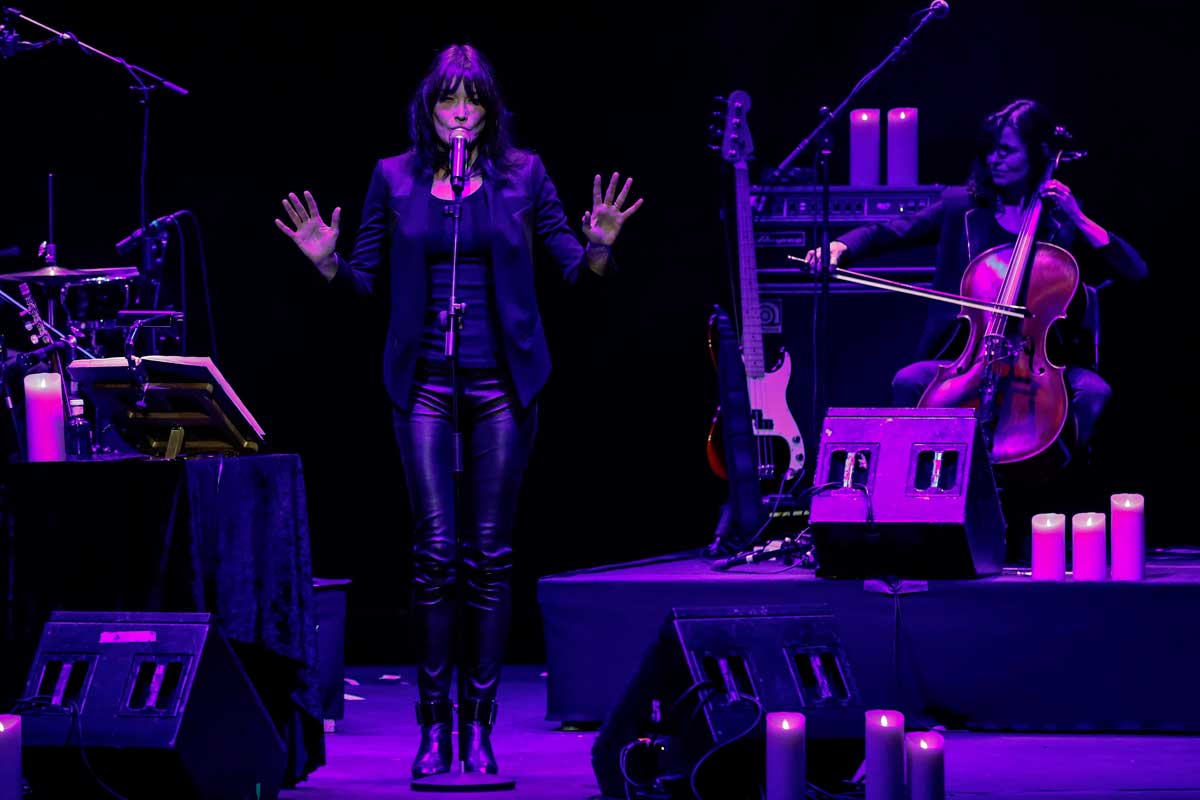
[458,109]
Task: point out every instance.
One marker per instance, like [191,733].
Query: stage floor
[370,755]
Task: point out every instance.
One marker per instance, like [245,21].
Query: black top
[479,340]
[525,213]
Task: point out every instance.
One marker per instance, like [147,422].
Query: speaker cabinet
[906,492]
[156,703]
[701,683]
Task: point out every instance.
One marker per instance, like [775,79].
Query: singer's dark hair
[1035,128]
[455,65]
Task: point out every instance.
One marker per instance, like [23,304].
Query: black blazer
[960,227]
[524,207]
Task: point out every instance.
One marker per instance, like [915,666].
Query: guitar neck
[752,344]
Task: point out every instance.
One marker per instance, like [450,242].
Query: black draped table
[224,535]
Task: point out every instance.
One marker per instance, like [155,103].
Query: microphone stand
[136,371]
[824,131]
[453,321]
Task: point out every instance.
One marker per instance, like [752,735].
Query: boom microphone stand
[823,131]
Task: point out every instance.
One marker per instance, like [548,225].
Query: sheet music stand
[168,405]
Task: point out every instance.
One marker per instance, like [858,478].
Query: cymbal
[56,276]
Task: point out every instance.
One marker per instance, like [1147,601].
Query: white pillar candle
[787,777]
[885,755]
[1128,537]
[1049,547]
[926,766]
[902,147]
[1088,547]
[10,757]
[864,147]
[44,433]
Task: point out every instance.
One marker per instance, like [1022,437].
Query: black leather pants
[463,551]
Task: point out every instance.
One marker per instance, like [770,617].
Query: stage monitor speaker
[908,493]
[725,664]
[152,704]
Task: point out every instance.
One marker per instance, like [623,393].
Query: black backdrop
[285,97]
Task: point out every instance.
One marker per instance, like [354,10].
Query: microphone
[27,360]
[940,8]
[126,245]
[458,160]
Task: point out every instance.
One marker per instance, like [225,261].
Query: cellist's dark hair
[455,65]
[1035,128]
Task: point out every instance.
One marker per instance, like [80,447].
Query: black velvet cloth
[224,535]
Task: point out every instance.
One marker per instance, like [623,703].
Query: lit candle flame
[924,746]
[883,720]
[903,115]
[785,725]
[865,116]
[42,382]
[1128,502]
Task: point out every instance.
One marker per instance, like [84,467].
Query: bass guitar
[779,446]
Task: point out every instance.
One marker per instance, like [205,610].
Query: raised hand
[315,239]
[603,223]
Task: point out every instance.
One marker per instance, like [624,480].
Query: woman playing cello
[1017,145]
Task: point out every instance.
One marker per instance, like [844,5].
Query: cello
[1010,296]
[1019,394]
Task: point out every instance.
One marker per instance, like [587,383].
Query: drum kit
[97,307]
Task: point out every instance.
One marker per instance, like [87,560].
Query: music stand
[168,405]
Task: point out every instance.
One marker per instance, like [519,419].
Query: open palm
[602,224]
[314,238]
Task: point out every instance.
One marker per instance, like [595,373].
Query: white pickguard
[771,416]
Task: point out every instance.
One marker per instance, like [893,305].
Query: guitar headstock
[736,143]
[33,322]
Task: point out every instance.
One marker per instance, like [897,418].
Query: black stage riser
[1000,653]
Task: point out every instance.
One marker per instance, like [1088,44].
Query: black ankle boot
[436,751]
[475,721]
